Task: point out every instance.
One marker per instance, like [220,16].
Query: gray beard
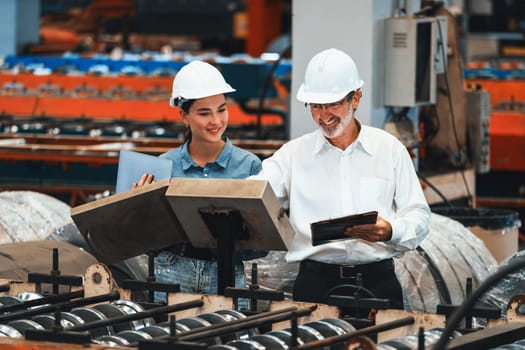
[340,127]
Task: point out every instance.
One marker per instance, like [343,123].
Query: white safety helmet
[196,80]
[330,76]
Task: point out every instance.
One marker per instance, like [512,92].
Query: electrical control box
[410,61]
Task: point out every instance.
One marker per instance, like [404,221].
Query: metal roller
[179,327]
[111,311]
[47,321]
[216,318]
[394,345]
[10,332]
[23,325]
[307,334]
[194,322]
[111,340]
[92,315]
[270,341]
[517,345]
[156,331]
[328,330]
[222,347]
[213,318]
[25,296]
[285,336]
[129,308]
[68,319]
[233,315]
[246,344]
[345,326]
[10,300]
[133,336]
[510,347]
[197,322]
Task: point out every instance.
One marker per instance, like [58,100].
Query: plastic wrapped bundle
[32,216]
[447,257]
[414,271]
[273,272]
[508,287]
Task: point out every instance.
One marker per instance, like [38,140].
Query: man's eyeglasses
[318,107]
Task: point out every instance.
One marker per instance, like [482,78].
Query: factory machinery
[84,300]
[64,119]
[132,88]
[498,93]
[76,168]
[57,311]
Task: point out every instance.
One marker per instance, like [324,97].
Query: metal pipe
[253,321]
[60,306]
[137,316]
[42,301]
[55,272]
[363,331]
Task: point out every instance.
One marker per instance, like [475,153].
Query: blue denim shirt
[200,276]
[232,163]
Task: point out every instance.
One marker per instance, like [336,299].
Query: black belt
[347,271]
[187,250]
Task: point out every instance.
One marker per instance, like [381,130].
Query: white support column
[353,26]
[19,25]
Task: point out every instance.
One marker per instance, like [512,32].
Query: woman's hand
[146,179]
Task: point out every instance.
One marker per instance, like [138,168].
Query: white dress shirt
[318,181]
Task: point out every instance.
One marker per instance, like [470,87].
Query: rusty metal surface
[514,306]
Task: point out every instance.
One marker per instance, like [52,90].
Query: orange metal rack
[102,97]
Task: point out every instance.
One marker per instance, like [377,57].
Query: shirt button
[205,174]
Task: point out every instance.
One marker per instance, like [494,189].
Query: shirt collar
[320,141]
[363,140]
[222,160]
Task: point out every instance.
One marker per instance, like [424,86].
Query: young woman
[199,93]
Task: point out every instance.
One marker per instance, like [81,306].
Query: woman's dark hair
[185,105]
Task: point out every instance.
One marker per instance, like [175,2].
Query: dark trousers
[316,281]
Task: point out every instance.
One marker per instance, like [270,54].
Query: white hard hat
[330,75]
[198,79]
